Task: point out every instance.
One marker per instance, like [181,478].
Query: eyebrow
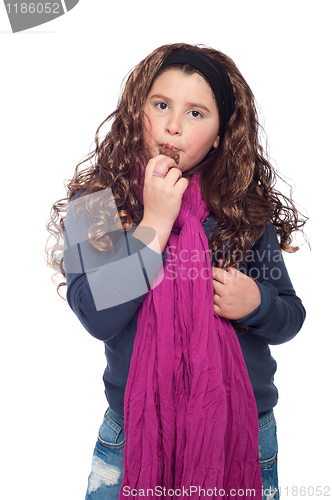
[190,104]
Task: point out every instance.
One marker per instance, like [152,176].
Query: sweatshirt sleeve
[281,314]
[105,288]
[105,299]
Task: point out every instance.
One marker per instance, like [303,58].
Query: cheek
[146,122]
[201,143]
[146,128]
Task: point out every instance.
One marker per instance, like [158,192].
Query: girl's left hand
[235,294]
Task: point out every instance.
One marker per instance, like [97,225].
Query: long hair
[237,180]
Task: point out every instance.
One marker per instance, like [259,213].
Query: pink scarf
[190,412]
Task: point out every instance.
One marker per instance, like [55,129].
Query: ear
[216,143]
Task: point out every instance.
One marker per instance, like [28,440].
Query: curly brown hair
[237,179]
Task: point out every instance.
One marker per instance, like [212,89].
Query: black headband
[216,75]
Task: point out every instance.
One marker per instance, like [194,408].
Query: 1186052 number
[32,8]
[307,491]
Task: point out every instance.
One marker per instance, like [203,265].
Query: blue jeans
[107,465]
[268,455]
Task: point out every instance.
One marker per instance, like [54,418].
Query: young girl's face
[181,112]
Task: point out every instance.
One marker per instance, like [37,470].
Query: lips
[170,146]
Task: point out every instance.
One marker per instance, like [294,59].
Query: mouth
[169,146]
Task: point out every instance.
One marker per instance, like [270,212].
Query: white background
[58,82]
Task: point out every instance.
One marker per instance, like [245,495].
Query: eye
[195,114]
[161,105]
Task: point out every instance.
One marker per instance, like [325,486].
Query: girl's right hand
[162,197]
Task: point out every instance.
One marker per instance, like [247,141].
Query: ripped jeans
[107,464]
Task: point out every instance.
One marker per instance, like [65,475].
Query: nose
[173,124]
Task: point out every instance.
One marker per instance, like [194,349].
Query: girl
[199,259]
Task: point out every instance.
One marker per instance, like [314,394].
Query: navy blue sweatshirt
[276,320]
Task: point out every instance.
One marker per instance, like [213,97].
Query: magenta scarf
[190,412]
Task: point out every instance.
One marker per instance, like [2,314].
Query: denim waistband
[265,418]
[115,417]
